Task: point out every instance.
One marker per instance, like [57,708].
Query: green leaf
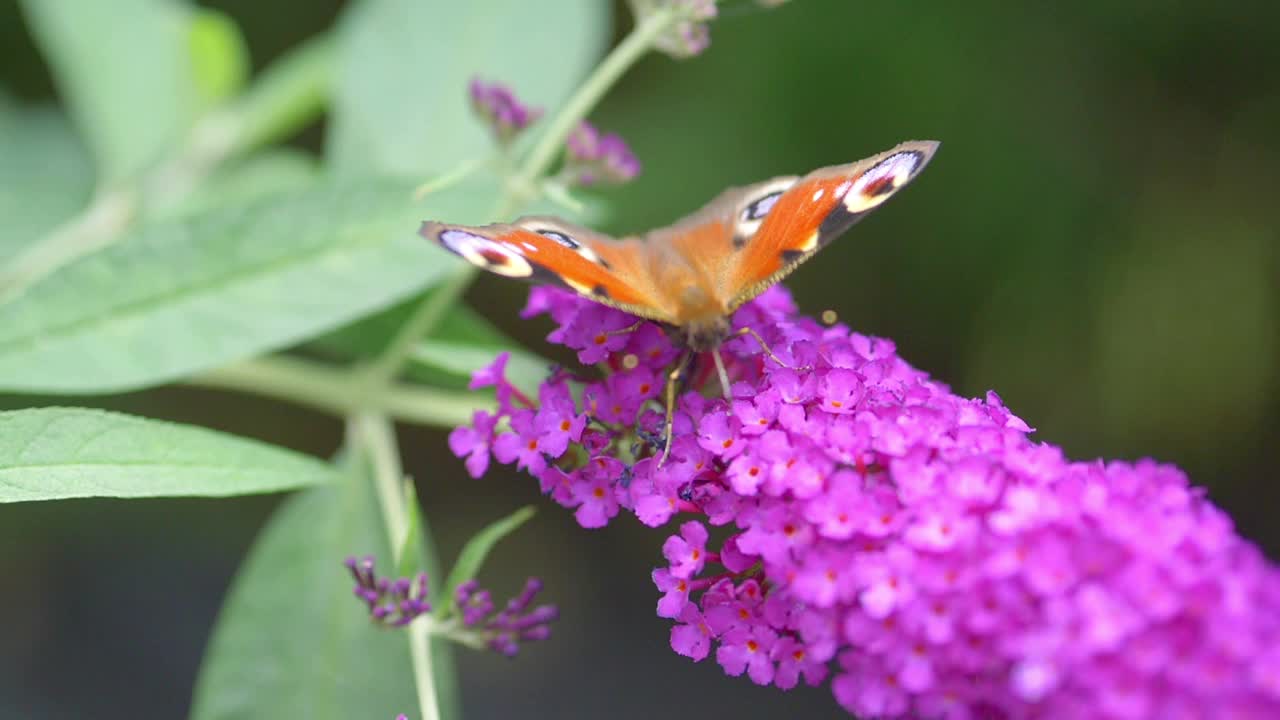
[57,453]
[45,175]
[291,640]
[462,343]
[123,68]
[401,101]
[178,297]
[219,57]
[264,174]
[476,550]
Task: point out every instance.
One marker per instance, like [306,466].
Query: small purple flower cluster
[591,157]
[916,546]
[501,110]
[690,35]
[391,603]
[504,630]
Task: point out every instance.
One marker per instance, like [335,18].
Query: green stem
[378,436]
[330,390]
[631,49]
[106,217]
[426,316]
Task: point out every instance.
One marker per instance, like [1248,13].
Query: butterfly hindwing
[815,210]
[550,251]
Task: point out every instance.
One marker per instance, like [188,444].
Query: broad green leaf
[401,102]
[291,640]
[178,297]
[261,175]
[463,342]
[473,554]
[219,58]
[57,453]
[124,70]
[45,175]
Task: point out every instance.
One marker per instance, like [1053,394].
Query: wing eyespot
[486,253]
[881,180]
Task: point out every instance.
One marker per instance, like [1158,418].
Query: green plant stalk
[330,390]
[430,311]
[377,435]
[374,429]
[638,42]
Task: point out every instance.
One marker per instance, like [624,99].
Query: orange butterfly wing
[550,251]
[815,210]
[707,265]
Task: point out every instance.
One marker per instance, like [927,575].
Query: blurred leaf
[45,175]
[261,175]
[124,70]
[219,58]
[56,453]
[401,102]
[287,94]
[291,640]
[464,342]
[473,554]
[175,298]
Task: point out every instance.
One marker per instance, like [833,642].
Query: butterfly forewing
[817,209]
[551,251]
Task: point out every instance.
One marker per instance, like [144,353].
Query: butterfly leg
[668,426]
[765,346]
[724,375]
[628,329]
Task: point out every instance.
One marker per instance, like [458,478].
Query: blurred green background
[1098,240]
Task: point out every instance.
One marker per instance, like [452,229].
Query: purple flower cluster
[503,631]
[391,603]
[591,157]
[690,35]
[916,547]
[499,107]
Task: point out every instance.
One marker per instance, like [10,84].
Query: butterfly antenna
[668,426]
[724,375]
[628,329]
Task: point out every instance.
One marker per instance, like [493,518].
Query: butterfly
[691,276]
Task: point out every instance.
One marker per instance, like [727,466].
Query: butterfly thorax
[702,335]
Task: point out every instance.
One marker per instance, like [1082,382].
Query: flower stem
[631,49]
[430,311]
[330,390]
[377,435]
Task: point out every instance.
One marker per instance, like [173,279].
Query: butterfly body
[691,276]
